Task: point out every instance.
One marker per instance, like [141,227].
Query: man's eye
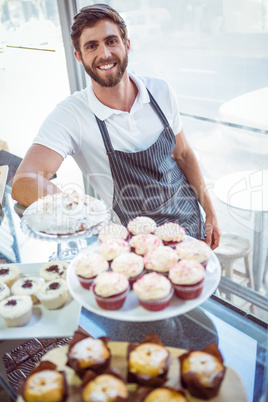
[91,47]
[112,42]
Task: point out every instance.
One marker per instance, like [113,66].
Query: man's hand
[213,232]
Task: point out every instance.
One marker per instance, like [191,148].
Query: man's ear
[128,45]
[78,56]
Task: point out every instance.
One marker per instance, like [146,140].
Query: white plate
[44,323]
[131,310]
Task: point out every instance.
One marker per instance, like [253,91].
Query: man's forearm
[27,188]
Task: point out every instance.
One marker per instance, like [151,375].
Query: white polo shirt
[71,129]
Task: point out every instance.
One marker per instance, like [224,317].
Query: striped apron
[150,183]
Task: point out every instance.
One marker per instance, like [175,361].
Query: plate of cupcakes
[143,272]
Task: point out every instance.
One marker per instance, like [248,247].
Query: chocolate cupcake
[148,362]
[87,353]
[202,372]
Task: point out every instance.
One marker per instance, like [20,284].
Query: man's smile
[106,66]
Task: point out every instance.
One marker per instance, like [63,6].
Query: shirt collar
[104,112]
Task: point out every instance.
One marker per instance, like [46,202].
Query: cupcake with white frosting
[141,225]
[111,249]
[16,310]
[110,290]
[28,285]
[113,231]
[9,273]
[154,291]
[53,294]
[196,250]
[170,233]
[4,291]
[160,260]
[187,277]
[87,266]
[143,243]
[129,264]
[54,270]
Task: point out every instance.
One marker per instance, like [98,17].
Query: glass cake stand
[68,245]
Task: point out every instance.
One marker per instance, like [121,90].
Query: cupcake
[154,291]
[54,270]
[87,353]
[87,266]
[129,264]
[53,294]
[110,290]
[45,383]
[170,233]
[16,310]
[160,394]
[202,372]
[196,250]
[141,225]
[106,387]
[4,291]
[187,277]
[9,274]
[113,231]
[148,362]
[113,248]
[160,260]
[27,285]
[143,243]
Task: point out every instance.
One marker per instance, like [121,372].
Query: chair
[232,248]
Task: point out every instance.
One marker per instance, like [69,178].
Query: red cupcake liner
[188,292]
[157,305]
[135,278]
[112,302]
[86,282]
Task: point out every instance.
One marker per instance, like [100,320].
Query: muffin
[53,294]
[110,290]
[87,266]
[54,270]
[28,285]
[113,231]
[187,277]
[45,384]
[9,274]
[143,243]
[196,250]
[161,394]
[170,233]
[160,260]
[4,291]
[141,225]
[16,310]
[202,372]
[87,353]
[129,264]
[113,248]
[148,362]
[154,291]
[106,387]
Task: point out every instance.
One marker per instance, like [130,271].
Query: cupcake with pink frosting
[160,260]
[187,277]
[154,291]
[170,233]
[87,266]
[196,250]
[142,244]
[129,264]
[111,249]
[141,225]
[110,290]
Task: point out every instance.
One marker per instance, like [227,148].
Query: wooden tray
[232,388]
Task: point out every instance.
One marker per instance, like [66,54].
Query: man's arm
[32,177]
[184,155]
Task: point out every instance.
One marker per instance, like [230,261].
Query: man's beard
[110,80]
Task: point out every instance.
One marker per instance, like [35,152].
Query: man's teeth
[106,67]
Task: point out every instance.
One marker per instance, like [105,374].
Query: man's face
[103,53]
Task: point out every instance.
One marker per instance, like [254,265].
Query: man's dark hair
[88,16]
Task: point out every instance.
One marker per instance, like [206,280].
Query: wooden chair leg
[249,271]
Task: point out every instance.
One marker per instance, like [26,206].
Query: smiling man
[125,132]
